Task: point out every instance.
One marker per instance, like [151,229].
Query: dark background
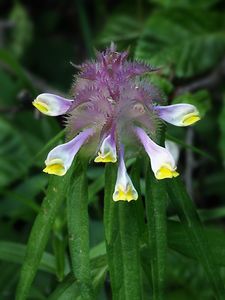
[38,42]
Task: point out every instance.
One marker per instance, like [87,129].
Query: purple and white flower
[107,152]
[52,105]
[179,114]
[61,157]
[124,188]
[113,107]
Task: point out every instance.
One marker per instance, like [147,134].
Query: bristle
[109,91]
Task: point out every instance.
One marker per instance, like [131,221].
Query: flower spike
[124,188]
[61,157]
[162,162]
[179,114]
[110,98]
[52,105]
[107,151]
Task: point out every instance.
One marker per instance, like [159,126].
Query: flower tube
[61,157]
[124,188]
[178,114]
[162,162]
[107,151]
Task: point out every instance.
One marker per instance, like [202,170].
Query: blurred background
[39,43]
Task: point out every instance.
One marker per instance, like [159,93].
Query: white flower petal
[179,114]
[61,157]
[52,105]
[162,162]
[124,188]
[107,151]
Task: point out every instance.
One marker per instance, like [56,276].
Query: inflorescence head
[114,108]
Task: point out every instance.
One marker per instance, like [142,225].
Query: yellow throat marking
[165,172]
[55,168]
[41,106]
[190,119]
[127,194]
[108,157]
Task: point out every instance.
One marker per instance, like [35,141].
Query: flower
[179,114]
[114,111]
[107,151]
[61,157]
[52,105]
[124,189]
[162,161]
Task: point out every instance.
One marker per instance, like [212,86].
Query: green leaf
[129,235]
[212,214]
[17,69]
[194,230]
[40,233]
[221,121]
[95,187]
[15,252]
[112,238]
[59,248]
[21,33]
[186,3]
[156,203]
[14,154]
[179,241]
[77,214]
[68,289]
[120,27]
[122,242]
[184,46]
[109,206]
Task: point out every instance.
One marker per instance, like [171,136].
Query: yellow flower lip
[123,194]
[190,119]
[108,157]
[166,172]
[41,106]
[55,167]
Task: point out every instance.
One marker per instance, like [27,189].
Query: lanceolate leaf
[222,130]
[129,235]
[122,236]
[15,252]
[111,225]
[194,230]
[69,288]
[156,202]
[40,233]
[179,241]
[77,213]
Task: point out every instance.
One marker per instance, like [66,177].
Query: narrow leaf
[156,202]
[178,240]
[78,227]
[129,235]
[123,242]
[40,233]
[15,252]
[194,229]
[111,226]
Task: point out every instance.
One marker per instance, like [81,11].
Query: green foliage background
[156,248]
